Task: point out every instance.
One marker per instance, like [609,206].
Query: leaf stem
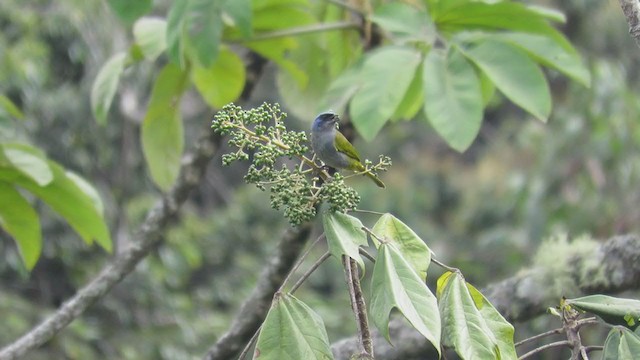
[308,273]
[302,30]
[300,261]
[545,347]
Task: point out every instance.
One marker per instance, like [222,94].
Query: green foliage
[162,128]
[262,133]
[129,11]
[621,344]
[105,86]
[292,330]
[613,310]
[24,167]
[412,248]
[344,235]
[395,284]
[471,325]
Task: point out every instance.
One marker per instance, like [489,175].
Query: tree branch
[612,267]
[631,10]
[191,172]
[255,308]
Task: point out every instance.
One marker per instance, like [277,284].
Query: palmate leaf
[412,248]
[344,235]
[395,284]
[292,330]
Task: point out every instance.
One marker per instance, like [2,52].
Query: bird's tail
[376,180]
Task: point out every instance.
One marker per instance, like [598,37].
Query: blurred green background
[485,211]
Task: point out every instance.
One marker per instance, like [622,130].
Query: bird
[334,149]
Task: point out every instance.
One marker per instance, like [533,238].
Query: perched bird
[333,148]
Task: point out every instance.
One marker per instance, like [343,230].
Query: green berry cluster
[260,135]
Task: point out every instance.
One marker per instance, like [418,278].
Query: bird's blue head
[325,121]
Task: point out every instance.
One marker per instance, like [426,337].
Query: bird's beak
[335,119]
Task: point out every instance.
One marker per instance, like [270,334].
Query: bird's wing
[344,146]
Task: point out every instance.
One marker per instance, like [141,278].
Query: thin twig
[446,267]
[591,348]
[246,349]
[308,273]
[358,305]
[366,254]
[545,347]
[300,261]
[539,336]
[349,7]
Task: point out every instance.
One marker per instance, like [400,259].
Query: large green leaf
[406,22]
[621,344]
[514,74]
[465,328]
[616,311]
[20,221]
[223,81]
[413,99]
[74,203]
[292,330]
[105,86]
[203,21]
[342,89]
[386,76]
[162,131]
[129,10]
[470,15]
[452,97]
[150,35]
[277,50]
[344,235]
[28,161]
[395,284]
[549,53]
[412,248]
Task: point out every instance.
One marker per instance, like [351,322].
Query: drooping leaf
[344,235]
[292,330]
[223,81]
[128,10]
[342,89]
[105,86]
[203,21]
[19,220]
[407,22]
[276,50]
[29,161]
[395,284]
[412,248]
[162,131]
[73,203]
[452,98]
[621,343]
[614,310]
[7,106]
[549,53]
[514,74]
[150,35]
[386,76]
[465,328]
